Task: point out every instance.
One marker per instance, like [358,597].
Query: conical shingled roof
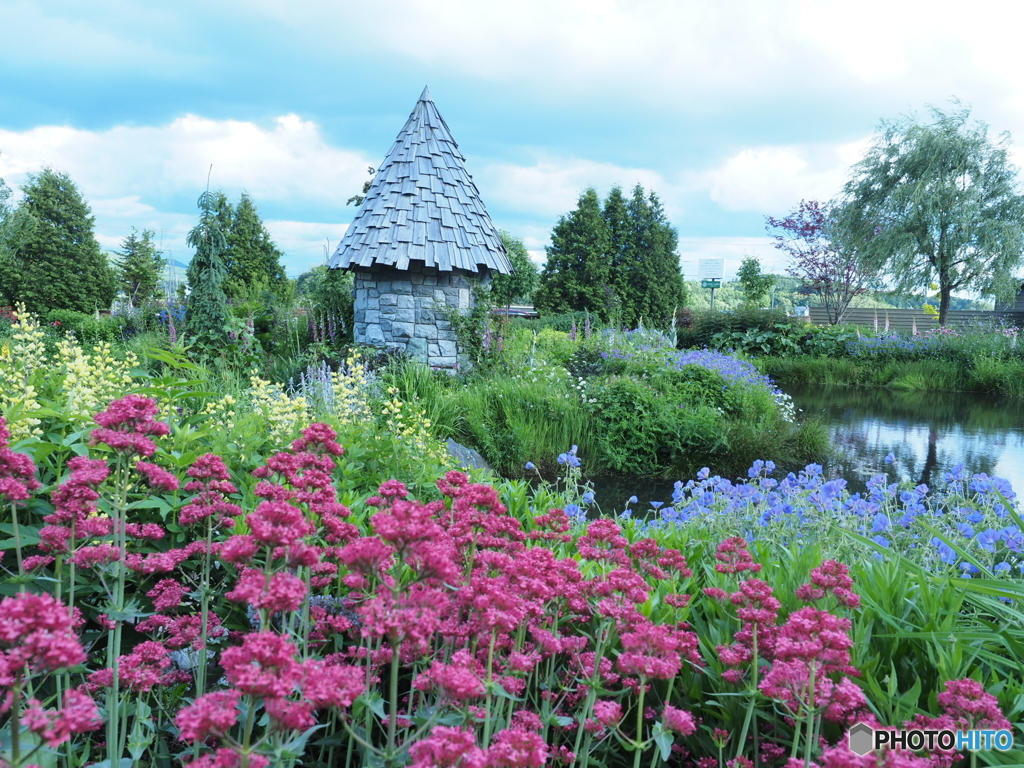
[423,205]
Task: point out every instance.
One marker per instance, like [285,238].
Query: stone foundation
[405,310]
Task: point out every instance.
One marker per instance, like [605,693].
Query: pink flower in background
[678,720]
[78,715]
[126,425]
[36,631]
[211,715]
[17,471]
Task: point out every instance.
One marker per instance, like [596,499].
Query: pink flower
[290,715]
[264,665]
[276,523]
[159,479]
[99,554]
[967,702]
[167,595]
[514,748]
[607,713]
[459,681]
[78,715]
[210,715]
[332,685]
[282,592]
[830,576]
[144,667]
[17,471]
[678,720]
[447,747]
[37,632]
[318,438]
[125,424]
[734,557]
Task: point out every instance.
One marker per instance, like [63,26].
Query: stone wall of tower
[405,309]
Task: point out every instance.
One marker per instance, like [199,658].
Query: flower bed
[173,609]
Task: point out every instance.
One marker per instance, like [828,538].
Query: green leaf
[664,739]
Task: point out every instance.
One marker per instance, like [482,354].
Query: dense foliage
[57,263]
[938,202]
[141,268]
[207,314]
[617,262]
[237,603]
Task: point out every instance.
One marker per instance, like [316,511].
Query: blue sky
[729,110]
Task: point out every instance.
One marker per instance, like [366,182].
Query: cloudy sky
[729,109]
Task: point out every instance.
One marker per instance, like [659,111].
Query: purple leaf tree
[827,268]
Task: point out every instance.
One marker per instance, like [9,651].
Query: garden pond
[926,433]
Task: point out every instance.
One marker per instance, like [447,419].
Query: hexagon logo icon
[862,739]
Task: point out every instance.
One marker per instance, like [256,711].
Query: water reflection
[927,432]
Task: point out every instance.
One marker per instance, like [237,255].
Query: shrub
[707,324]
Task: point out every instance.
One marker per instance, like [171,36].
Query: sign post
[710,273]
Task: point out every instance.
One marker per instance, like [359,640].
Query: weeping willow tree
[207,316]
[937,202]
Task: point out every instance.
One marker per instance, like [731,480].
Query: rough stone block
[385,325]
[422,291]
[372,315]
[405,315]
[446,348]
[374,334]
[439,295]
[360,316]
[407,302]
[443,362]
[426,331]
[371,303]
[433,350]
[400,287]
[401,330]
[417,349]
[372,293]
[463,298]
[425,316]
[416,279]
[430,279]
[389,300]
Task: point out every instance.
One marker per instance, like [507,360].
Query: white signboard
[710,269]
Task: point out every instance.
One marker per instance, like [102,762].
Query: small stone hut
[420,240]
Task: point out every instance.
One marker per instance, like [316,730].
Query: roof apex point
[425,96]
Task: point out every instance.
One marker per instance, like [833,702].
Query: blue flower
[657,504]
[588,497]
[529,465]
[890,458]
[1002,567]
[633,500]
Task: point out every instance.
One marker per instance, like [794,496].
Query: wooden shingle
[422,194]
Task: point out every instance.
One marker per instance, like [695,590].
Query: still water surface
[927,432]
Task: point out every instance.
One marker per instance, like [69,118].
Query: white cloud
[287,160]
[772,179]
[552,185]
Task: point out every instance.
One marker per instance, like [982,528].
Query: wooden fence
[908,319]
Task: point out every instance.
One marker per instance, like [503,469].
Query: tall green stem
[17,547]
[389,756]
[638,742]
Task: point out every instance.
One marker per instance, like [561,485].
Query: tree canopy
[937,202]
[251,258]
[15,224]
[207,310]
[618,261]
[57,263]
[141,267]
[754,282]
[827,265]
[522,282]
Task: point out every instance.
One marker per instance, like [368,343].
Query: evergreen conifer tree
[58,264]
[252,257]
[577,275]
[207,312]
[141,268]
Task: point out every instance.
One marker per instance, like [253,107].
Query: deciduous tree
[755,283]
[938,202]
[827,265]
[522,282]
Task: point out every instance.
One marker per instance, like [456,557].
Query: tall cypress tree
[616,216]
[577,275]
[653,278]
[207,312]
[252,257]
[59,264]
